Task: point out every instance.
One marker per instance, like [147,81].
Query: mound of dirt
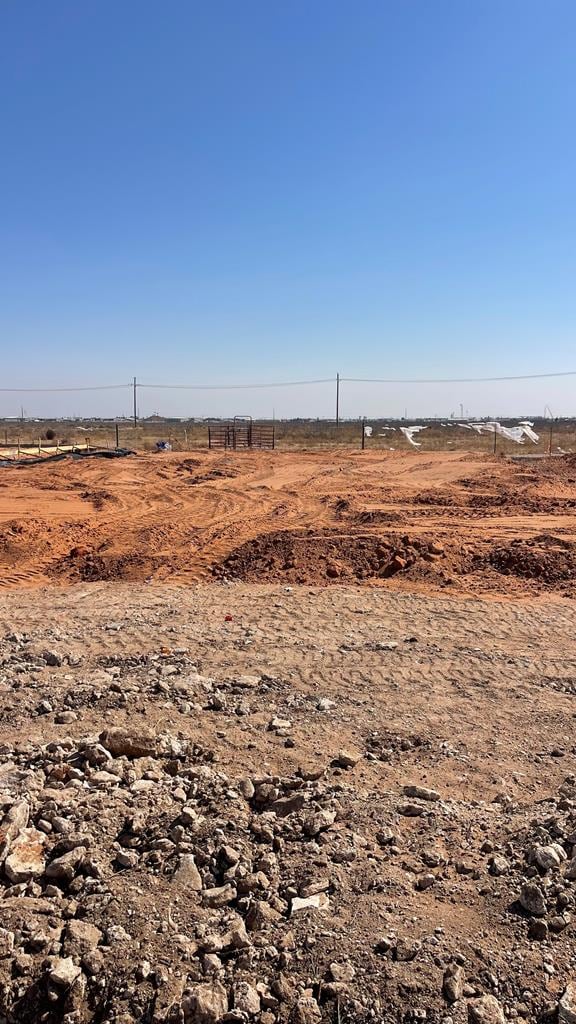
[326,557]
[547,559]
[83,564]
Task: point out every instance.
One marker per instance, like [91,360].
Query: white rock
[205,1004]
[246,999]
[547,857]
[532,899]
[187,873]
[64,972]
[26,857]
[318,902]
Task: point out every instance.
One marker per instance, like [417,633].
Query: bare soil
[472,699]
[235,682]
[474,524]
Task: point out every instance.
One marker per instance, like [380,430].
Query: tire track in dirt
[176,516]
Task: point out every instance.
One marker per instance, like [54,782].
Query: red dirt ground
[424,521]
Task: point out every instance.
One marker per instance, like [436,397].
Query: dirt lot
[271,737]
[442,520]
[319,764]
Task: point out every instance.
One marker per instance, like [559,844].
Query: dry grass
[290,435]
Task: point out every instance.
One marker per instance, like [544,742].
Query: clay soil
[296,640]
[424,521]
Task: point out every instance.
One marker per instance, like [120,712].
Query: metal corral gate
[241,433]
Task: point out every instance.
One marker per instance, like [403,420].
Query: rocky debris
[453,983]
[485,1010]
[567,1005]
[533,899]
[141,879]
[64,972]
[25,859]
[347,759]
[126,743]
[421,793]
[206,1003]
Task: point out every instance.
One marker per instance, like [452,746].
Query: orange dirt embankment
[393,519]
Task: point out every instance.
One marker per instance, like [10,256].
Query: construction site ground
[288,737]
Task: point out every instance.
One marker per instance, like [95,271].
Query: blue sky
[238,192]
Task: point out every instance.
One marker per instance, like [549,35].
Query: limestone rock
[129,743]
[205,1004]
[567,1005]
[26,857]
[260,915]
[532,899]
[347,758]
[246,998]
[6,942]
[80,937]
[187,873]
[64,972]
[485,1010]
[421,793]
[63,869]
[571,870]
[453,983]
[306,1011]
[15,819]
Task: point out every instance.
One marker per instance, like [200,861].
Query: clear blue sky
[226,191]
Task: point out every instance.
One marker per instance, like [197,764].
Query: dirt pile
[307,557]
[546,559]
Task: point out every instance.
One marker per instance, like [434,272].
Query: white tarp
[409,435]
[367,431]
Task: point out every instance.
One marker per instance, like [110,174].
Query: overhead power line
[238,387]
[455,380]
[294,383]
[97,387]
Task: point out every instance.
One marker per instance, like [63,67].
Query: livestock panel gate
[241,432]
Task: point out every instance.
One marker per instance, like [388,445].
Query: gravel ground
[265,803]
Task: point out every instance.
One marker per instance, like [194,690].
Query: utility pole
[135,409]
[337,399]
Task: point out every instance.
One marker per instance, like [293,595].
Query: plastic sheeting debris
[409,435]
[516,434]
[367,431]
[105,453]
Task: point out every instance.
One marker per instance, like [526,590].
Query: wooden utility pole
[550,438]
[135,409]
[337,399]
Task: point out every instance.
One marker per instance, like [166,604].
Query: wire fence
[551,435]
